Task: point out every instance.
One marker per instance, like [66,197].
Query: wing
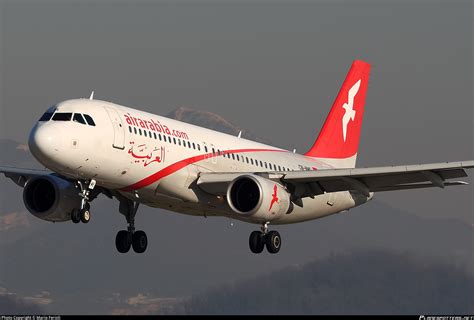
[365,180]
[20,175]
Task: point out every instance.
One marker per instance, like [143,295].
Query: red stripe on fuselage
[183,163]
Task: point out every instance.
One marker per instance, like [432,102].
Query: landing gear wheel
[273,241]
[123,241]
[139,241]
[75,216]
[85,214]
[256,242]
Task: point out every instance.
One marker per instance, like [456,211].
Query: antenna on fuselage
[92,96]
[240,134]
[294,150]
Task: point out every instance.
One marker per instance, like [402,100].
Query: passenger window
[199,147]
[247,159]
[213,151]
[174,140]
[89,120]
[169,139]
[144,133]
[251,160]
[154,134]
[46,116]
[205,149]
[238,159]
[279,169]
[140,131]
[194,146]
[261,164]
[189,145]
[266,165]
[179,142]
[135,130]
[130,129]
[233,157]
[62,116]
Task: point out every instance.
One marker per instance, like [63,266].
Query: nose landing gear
[83,214]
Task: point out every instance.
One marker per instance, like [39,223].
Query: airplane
[92,147]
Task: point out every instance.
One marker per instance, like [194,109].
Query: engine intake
[258,198]
[51,198]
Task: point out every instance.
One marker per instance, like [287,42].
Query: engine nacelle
[51,198]
[258,198]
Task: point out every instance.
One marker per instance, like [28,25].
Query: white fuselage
[156,160]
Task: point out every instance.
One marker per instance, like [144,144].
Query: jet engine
[258,198]
[51,198]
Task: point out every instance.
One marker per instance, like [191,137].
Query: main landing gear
[259,239]
[83,214]
[130,238]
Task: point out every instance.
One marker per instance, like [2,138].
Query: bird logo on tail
[349,107]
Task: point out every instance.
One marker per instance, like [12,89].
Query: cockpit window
[89,120]
[46,116]
[78,118]
[62,116]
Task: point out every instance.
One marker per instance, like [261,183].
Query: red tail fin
[339,137]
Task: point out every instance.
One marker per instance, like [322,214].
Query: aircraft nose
[44,143]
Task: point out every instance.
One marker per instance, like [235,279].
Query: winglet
[92,96]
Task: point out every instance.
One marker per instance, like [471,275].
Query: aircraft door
[119,131]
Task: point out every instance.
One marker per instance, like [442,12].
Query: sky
[273,67]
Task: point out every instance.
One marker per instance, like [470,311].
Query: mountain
[12,304]
[371,282]
[79,262]
[211,121]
